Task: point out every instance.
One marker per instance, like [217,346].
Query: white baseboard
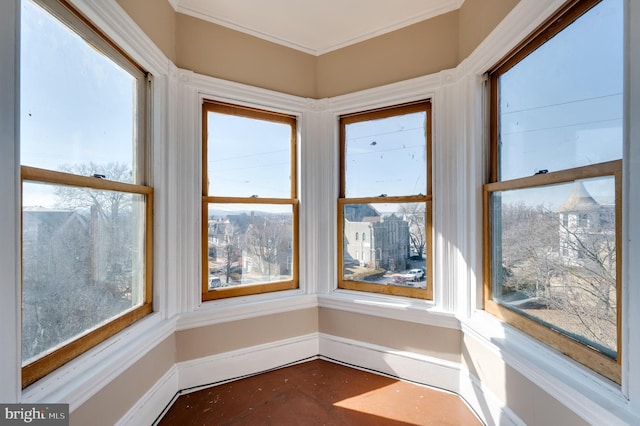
[486,405]
[227,366]
[189,376]
[154,402]
[406,365]
[424,370]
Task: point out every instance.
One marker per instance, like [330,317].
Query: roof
[579,200]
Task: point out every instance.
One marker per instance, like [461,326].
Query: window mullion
[249,200]
[550,178]
[55,177]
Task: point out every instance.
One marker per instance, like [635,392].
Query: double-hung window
[249,201]
[86,208]
[385,204]
[552,207]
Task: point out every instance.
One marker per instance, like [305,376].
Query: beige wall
[529,402]
[420,49]
[214,339]
[424,48]
[477,19]
[443,343]
[114,400]
[157,20]
[217,51]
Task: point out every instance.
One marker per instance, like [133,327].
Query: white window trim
[78,380]
[631,205]
[194,90]
[10,322]
[591,396]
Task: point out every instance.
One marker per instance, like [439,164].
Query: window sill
[392,307]
[585,392]
[77,381]
[244,307]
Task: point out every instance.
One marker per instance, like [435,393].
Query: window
[583,220]
[552,265]
[385,193]
[249,193]
[86,208]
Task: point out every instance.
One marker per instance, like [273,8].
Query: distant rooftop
[579,200]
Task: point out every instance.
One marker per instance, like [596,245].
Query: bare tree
[78,261]
[529,240]
[566,274]
[265,237]
[589,279]
[110,210]
[414,213]
[231,248]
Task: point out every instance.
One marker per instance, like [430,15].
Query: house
[582,218]
[378,241]
[256,244]
[450,342]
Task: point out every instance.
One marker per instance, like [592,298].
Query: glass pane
[561,106]
[385,244]
[83,262]
[77,111]
[248,157]
[386,156]
[250,244]
[554,257]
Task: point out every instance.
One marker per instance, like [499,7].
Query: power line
[385,133]
[387,150]
[562,103]
[258,154]
[561,127]
[259,166]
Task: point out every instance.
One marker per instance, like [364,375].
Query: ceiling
[315,27]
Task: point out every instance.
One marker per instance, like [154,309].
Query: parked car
[214,282]
[415,274]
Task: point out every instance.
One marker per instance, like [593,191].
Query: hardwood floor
[318,392]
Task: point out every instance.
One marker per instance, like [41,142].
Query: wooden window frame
[590,357]
[71,18]
[247,112]
[65,353]
[427,199]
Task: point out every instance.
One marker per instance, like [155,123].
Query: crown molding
[174,4]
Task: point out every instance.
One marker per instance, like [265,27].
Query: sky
[248,157]
[386,156]
[569,112]
[76,108]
